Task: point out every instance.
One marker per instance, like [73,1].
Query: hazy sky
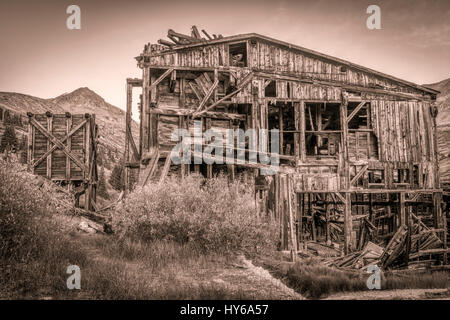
[41,57]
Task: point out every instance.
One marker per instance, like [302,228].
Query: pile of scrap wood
[407,248]
[370,255]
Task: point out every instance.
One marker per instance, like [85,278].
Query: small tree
[102,191]
[117,178]
[9,139]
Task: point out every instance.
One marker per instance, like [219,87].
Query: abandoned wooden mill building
[358,150]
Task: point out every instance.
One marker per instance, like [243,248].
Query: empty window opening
[271,89]
[416,175]
[400,176]
[238,54]
[375,176]
[363,143]
[323,129]
[281,117]
[360,120]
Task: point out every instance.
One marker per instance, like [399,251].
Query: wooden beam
[69,144]
[240,86]
[206,34]
[165,170]
[133,144]
[196,33]
[207,96]
[194,89]
[354,112]
[148,172]
[166,43]
[348,224]
[338,194]
[359,174]
[292,234]
[161,78]
[183,36]
[49,145]
[30,145]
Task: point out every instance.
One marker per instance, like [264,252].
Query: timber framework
[358,149]
[63,148]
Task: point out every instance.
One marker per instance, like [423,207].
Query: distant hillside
[443,122]
[110,119]
[443,100]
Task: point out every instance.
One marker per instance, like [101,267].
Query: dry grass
[315,281]
[35,251]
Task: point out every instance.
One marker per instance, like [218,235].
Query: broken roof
[183,42]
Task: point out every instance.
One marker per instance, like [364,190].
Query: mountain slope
[443,101]
[443,122]
[110,119]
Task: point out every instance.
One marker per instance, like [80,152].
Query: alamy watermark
[374,20]
[74,280]
[73,22]
[374,281]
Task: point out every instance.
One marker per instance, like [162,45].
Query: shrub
[8,139]
[33,250]
[212,214]
[117,178]
[102,191]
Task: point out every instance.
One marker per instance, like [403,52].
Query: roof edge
[308,51]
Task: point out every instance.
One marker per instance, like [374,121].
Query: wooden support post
[87,194]
[30,145]
[69,145]
[302,132]
[209,172]
[301,206]
[348,224]
[344,143]
[49,145]
[402,208]
[127,136]
[327,218]
[441,221]
[280,116]
[216,79]
[145,132]
[296,107]
[293,238]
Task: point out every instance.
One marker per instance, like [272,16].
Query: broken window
[323,129]
[270,89]
[363,143]
[375,176]
[416,175]
[400,176]
[238,54]
[281,117]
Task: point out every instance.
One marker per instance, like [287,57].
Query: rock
[84,226]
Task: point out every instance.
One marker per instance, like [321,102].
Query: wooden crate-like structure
[63,148]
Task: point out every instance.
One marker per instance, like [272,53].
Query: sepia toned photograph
[227,156]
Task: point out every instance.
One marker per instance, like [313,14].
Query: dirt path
[239,276]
